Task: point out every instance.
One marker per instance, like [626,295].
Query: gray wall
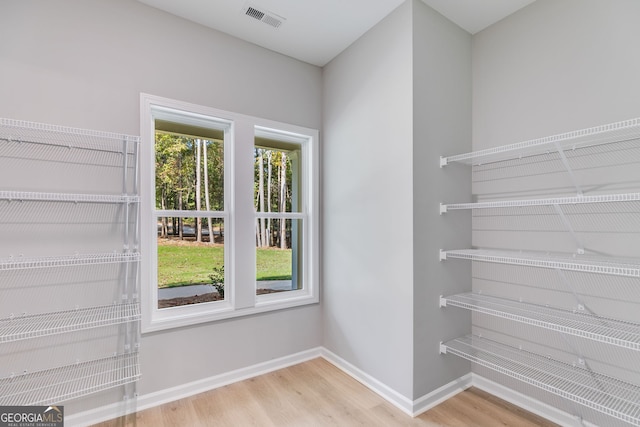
[442,126]
[367,205]
[557,66]
[394,102]
[84,64]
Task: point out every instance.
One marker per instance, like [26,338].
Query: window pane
[189,272]
[192,229]
[278,264]
[189,172]
[276,179]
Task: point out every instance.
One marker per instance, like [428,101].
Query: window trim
[239,213]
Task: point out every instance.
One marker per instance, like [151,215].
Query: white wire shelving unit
[68,382]
[577,151]
[602,393]
[69,155]
[17,328]
[604,134]
[23,263]
[583,263]
[585,325]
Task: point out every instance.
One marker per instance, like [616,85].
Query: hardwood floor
[316,393]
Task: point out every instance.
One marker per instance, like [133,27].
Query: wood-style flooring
[316,393]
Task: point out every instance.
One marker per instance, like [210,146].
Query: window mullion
[190,214]
[283,215]
[244,253]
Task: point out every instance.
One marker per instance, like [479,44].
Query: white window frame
[239,215]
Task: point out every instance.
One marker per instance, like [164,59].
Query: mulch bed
[208,297]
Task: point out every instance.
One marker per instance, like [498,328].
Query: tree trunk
[198,189]
[164,229]
[262,228]
[180,182]
[269,169]
[206,192]
[258,235]
[279,175]
[283,201]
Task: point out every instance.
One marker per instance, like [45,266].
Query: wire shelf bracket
[613,397]
[567,224]
[567,166]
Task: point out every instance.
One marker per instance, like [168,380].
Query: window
[189,199]
[280,214]
[229,214]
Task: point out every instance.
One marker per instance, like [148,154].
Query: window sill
[177,317]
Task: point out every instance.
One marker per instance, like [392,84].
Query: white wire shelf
[602,393]
[66,197]
[20,131]
[609,331]
[575,200]
[604,134]
[17,328]
[21,263]
[585,264]
[57,385]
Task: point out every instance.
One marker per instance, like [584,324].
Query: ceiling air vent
[264,16]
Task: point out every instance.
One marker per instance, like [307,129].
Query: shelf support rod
[567,223]
[125,166]
[567,166]
[136,210]
[581,307]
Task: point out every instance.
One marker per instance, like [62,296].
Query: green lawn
[180,265]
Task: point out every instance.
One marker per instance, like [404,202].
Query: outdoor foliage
[217,279]
[272,193]
[189,176]
[189,264]
[180,265]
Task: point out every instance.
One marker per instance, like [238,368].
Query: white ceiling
[317,31]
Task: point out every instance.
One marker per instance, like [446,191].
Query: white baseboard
[398,400]
[428,401]
[406,405]
[150,400]
[535,406]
